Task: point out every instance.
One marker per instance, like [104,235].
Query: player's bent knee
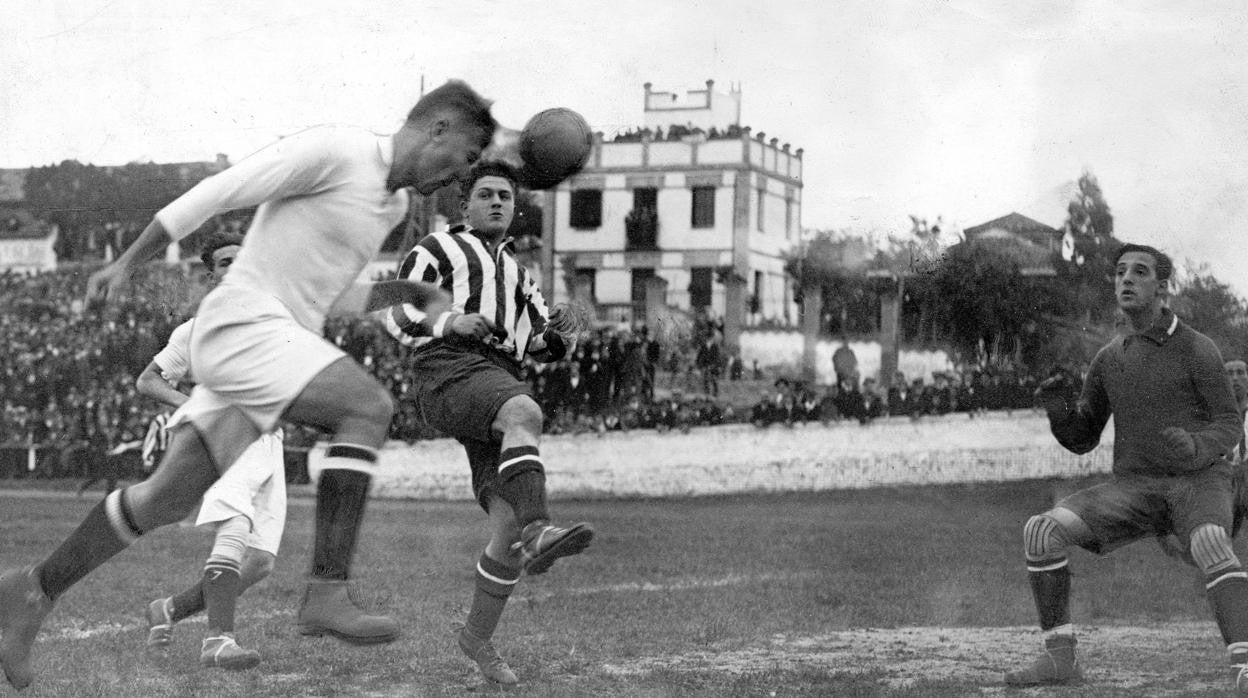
[1044,539]
[378,409]
[154,506]
[521,412]
[1212,549]
[257,565]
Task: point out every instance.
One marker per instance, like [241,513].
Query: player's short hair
[217,240]
[1163,266]
[489,168]
[456,96]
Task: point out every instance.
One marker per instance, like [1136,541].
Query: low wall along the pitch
[742,458]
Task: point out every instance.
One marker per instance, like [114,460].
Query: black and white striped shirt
[494,285]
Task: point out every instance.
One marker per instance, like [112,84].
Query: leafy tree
[990,313]
[838,264]
[1212,308]
[1086,268]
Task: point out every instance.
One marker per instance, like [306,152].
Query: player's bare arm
[107,281]
[151,384]
[368,297]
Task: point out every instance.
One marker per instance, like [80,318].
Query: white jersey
[323,214]
[255,485]
[174,361]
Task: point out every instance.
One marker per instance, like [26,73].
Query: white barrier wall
[783,350]
[742,458]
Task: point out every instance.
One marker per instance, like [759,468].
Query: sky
[963,109]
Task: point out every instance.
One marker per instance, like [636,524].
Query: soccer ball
[554,145]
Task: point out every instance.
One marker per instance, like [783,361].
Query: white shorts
[255,487]
[249,352]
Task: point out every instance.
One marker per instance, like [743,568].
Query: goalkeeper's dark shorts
[1128,508]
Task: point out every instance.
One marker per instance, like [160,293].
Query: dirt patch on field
[1167,659]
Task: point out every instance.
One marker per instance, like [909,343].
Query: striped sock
[341,493]
[495,582]
[108,529]
[522,483]
[221,588]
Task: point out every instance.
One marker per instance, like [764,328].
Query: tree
[1086,267]
[990,313]
[837,264]
[1212,308]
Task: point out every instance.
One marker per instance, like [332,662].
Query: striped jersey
[494,285]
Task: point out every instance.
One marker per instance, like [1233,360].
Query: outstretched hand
[561,319]
[103,284]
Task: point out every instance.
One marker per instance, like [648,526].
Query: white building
[701,219]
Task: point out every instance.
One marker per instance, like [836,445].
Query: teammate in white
[327,199]
[247,505]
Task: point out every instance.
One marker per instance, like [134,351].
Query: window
[788,219]
[700,286]
[586,209]
[645,198]
[703,207]
[640,276]
[762,214]
[585,285]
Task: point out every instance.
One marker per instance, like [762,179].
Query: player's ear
[438,127]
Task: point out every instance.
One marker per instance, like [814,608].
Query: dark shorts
[1129,508]
[459,390]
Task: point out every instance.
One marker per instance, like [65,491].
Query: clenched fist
[476,326]
[1179,444]
[1053,395]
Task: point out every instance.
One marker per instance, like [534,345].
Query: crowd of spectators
[677,132]
[971,393]
[67,374]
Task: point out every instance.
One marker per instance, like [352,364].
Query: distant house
[26,244]
[1029,242]
[695,212]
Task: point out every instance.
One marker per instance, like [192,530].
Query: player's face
[222,260]
[444,158]
[1135,281]
[490,205]
[1237,371]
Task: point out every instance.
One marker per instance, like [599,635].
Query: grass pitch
[906,592]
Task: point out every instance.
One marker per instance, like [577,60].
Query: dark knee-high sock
[188,602]
[221,588]
[108,529]
[341,493]
[522,483]
[495,582]
[1227,590]
[1050,587]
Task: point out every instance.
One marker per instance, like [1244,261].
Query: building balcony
[641,229]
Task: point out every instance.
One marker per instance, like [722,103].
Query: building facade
[693,209]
